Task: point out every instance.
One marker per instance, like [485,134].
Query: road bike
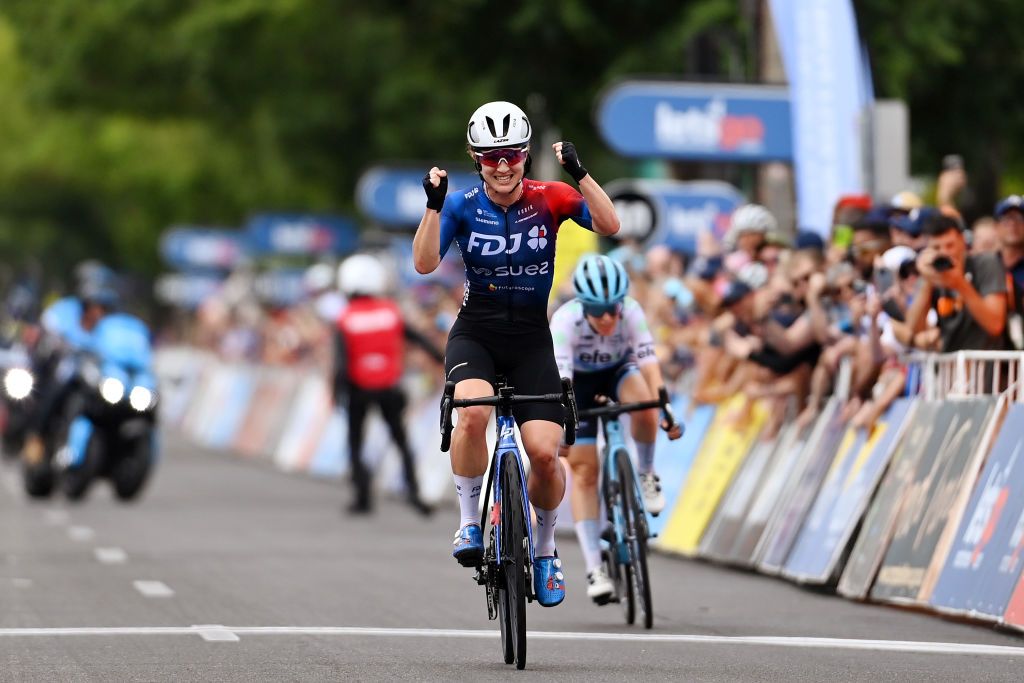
[506,570]
[625,558]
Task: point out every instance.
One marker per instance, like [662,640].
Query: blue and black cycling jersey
[509,253]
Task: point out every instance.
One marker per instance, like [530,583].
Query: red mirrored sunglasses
[510,155]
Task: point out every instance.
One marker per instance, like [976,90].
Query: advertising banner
[777,474]
[296,234]
[193,248]
[721,534]
[187,290]
[843,497]
[708,121]
[987,556]
[675,458]
[729,440]
[393,195]
[798,500]
[923,433]
[928,502]
[673,212]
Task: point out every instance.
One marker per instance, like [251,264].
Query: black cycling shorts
[587,385]
[526,359]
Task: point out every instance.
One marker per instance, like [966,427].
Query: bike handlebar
[448,402]
[615,409]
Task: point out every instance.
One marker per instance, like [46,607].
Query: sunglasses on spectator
[598,310]
[510,155]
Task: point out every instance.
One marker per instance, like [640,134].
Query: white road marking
[81,533]
[216,633]
[153,589]
[111,555]
[56,517]
[221,633]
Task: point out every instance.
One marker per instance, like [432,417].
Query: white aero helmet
[362,274]
[750,218]
[498,124]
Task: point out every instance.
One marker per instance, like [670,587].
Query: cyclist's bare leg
[585,474]
[547,477]
[585,506]
[469,440]
[644,423]
[547,480]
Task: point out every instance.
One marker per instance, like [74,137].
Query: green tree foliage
[121,117]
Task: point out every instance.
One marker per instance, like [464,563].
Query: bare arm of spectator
[815,310]
[792,339]
[989,311]
[917,314]
[948,185]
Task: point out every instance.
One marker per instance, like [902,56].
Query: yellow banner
[573,242]
[726,444]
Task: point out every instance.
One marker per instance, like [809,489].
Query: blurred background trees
[120,118]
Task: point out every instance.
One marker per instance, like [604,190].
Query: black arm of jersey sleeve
[416,337]
[339,383]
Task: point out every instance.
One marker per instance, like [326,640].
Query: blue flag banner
[830,93]
[394,196]
[194,248]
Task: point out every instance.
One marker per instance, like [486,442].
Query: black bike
[507,566]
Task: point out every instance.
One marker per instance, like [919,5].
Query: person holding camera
[967,291]
[1009,216]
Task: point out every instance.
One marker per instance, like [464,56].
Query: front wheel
[636,538]
[130,474]
[514,556]
[76,480]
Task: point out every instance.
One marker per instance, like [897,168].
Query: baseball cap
[906,201]
[914,221]
[735,292]
[808,239]
[1014,201]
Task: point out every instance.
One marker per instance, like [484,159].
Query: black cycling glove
[435,195]
[571,162]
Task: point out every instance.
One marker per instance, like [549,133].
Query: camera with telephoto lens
[942,263]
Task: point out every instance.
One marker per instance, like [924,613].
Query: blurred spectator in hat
[808,239]
[1009,215]
[984,236]
[904,202]
[906,229]
[319,285]
[749,227]
[870,240]
[967,291]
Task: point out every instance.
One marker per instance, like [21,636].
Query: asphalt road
[227,570]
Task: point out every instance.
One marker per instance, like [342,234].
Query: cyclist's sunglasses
[598,310]
[494,157]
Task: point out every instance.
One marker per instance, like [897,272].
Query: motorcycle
[109,425]
[16,397]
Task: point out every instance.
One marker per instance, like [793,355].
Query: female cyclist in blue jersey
[602,342]
[505,228]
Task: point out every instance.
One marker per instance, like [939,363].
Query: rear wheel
[636,539]
[514,541]
[39,479]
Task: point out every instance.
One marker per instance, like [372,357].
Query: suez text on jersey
[531,269]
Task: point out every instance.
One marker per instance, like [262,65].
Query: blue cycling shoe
[469,546]
[548,581]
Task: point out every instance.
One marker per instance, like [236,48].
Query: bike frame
[506,444]
[613,441]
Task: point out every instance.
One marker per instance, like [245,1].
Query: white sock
[644,457]
[544,542]
[469,489]
[589,535]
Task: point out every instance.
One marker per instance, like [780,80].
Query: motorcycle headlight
[141,399]
[112,390]
[18,383]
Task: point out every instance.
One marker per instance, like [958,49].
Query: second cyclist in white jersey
[603,343]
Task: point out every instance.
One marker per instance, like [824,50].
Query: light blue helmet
[600,281]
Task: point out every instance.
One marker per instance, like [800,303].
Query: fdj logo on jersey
[490,245]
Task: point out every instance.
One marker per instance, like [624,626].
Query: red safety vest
[373,333]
